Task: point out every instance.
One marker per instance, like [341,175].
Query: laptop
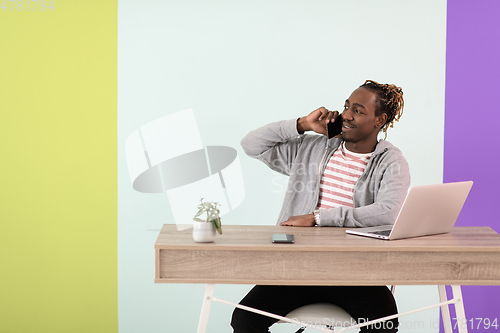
[427,210]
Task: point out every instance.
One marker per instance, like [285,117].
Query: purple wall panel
[472,119]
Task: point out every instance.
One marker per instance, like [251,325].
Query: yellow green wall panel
[58,167]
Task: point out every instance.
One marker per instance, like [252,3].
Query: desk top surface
[258,238]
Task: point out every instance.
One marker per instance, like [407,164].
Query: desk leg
[445,311]
[459,309]
[205,308]
[461,320]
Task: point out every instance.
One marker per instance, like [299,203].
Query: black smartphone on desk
[283,238]
[335,128]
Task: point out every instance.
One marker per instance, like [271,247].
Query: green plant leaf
[210,208]
[218,225]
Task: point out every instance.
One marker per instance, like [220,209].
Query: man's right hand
[316,121]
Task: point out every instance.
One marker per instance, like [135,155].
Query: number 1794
[21,5]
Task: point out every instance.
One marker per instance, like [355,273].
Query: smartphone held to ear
[335,128]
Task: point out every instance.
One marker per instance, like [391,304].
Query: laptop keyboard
[382,232]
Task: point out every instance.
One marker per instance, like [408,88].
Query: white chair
[323,314]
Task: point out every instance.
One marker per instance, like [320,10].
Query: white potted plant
[204,230]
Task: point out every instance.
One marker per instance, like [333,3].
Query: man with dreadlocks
[352,180]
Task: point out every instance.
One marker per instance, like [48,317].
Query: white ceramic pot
[203,232]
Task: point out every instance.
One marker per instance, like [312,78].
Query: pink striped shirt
[341,174]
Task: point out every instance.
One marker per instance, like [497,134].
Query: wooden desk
[329,256]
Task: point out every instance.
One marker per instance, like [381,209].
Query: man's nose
[346,115]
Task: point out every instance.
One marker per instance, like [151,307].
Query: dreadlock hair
[389,100]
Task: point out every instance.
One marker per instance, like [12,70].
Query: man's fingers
[323,112]
[332,115]
[327,115]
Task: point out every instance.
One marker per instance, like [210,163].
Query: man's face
[361,126]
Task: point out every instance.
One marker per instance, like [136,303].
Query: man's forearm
[302,125]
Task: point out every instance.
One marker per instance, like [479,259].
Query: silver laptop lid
[430,209]
[427,210]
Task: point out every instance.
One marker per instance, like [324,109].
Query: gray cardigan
[378,194]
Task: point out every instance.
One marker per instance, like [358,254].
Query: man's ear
[380,120]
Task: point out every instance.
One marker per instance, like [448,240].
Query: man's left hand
[300,221]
